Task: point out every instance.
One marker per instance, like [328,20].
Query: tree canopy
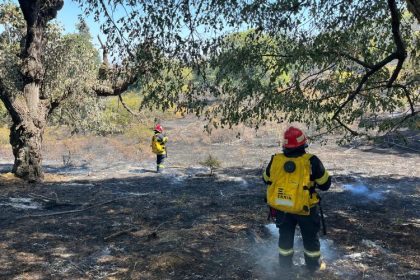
[348,63]
[350,66]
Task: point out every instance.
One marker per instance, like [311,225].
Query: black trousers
[159,161]
[309,227]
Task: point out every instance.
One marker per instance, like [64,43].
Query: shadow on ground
[188,225]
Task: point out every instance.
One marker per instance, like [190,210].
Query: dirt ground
[111,217]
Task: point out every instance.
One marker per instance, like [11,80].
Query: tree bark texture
[414,7]
[26,144]
[29,106]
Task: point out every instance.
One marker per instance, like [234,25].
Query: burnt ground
[120,220]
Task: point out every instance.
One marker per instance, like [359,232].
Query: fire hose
[324,229]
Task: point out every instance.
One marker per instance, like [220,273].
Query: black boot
[315,264]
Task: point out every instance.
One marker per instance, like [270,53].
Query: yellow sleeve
[323,179]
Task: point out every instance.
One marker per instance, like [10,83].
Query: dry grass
[10,178]
[4,135]
[84,148]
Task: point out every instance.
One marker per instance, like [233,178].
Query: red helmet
[159,128]
[293,138]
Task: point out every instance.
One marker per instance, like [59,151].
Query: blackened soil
[127,222]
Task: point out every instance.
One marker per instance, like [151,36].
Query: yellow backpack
[290,188]
[157,147]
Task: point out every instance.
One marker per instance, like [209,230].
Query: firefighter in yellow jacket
[159,140]
[292,178]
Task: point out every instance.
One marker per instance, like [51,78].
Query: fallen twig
[67,212]
[51,202]
[401,146]
[44,198]
[130,273]
[160,225]
[119,233]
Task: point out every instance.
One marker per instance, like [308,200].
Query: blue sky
[68,18]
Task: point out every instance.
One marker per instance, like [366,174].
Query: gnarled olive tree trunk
[26,140]
[28,106]
[26,144]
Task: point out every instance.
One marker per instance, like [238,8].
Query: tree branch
[403,120]
[6,98]
[343,54]
[104,52]
[116,27]
[68,212]
[345,93]
[354,59]
[308,77]
[127,108]
[355,93]
[400,52]
[115,90]
[353,132]
[328,131]
[55,103]
[407,95]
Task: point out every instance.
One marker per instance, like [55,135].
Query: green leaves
[323,63]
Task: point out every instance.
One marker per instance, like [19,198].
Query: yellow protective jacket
[292,180]
[159,143]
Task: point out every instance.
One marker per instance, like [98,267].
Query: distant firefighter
[159,140]
[292,178]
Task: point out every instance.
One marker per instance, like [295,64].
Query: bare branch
[104,52]
[68,212]
[347,92]
[8,103]
[353,132]
[403,120]
[354,59]
[327,132]
[116,27]
[407,95]
[308,77]
[127,108]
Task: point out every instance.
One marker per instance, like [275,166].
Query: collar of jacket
[294,152]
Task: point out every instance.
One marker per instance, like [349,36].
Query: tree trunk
[26,144]
[28,125]
[28,105]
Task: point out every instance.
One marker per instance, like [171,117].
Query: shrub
[211,162]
